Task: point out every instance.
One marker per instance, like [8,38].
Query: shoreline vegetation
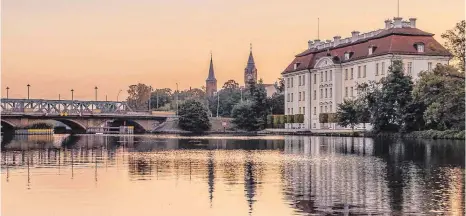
[427,134]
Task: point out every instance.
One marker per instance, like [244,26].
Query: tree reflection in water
[316,175]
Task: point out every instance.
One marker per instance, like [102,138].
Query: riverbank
[428,134]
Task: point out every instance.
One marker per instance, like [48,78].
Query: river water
[225,175]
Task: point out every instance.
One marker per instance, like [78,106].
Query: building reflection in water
[319,175]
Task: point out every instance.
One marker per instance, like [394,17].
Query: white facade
[327,84]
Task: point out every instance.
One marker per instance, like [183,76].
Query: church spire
[250,72]
[211,76]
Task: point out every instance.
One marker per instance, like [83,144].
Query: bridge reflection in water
[319,175]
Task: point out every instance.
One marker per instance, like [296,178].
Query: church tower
[211,82]
[250,72]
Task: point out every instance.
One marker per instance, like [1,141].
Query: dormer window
[347,55]
[372,49]
[296,65]
[419,47]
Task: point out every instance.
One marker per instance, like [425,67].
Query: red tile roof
[389,41]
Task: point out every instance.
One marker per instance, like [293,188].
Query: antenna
[398,9]
[318,28]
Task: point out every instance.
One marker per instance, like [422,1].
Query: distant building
[270,89]
[250,72]
[322,76]
[211,82]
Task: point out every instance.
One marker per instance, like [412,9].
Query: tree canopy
[193,116]
[455,42]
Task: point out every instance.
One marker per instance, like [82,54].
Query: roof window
[419,47]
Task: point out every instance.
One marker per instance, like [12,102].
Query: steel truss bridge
[63,107]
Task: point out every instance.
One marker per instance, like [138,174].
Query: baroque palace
[322,76]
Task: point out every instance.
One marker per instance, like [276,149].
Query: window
[346,74]
[352,92]
[291,82]
[299,81]
[320,109]
[288,97]
[359,71]
[352,74]
[330,107]
[299,99]
[299,110]
[346,56]
[325,75]
[304,110]
[304,82]
[321,93]
[291,111]
[429,66]
[288,111]
[315,94]
[377,69]
[314,110]
[326,93]
[304,97]
[420,47]
[346,91]
[383,68]
[315,78]
[314,125]
[330,75]
[291,97]
[410,68]
[364,71]
[370,50]
[326,109]
[330,92]
[287,82]
[321,76]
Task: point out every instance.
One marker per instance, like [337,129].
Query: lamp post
[177,93]
[72,94]
[28,90]
[150,98]
[218,101]
[118,94]
[7,89]
[96,92]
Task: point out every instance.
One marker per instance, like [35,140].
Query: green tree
[440,93]
[455,42]
[391,112]
[193,116]
[347,113]
[231,84]
[259,97]
[138,96]
[161,97]
[280,85]
[244,116]
[277,103]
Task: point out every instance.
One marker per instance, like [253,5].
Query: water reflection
[273,175]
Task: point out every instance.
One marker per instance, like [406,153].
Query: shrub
[193,116]
[299,118]
[323,118]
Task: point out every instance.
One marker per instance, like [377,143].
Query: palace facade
[322,76]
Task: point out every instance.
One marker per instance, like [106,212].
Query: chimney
[354,36]
[397,21]
[336,40]
[388,24]
[412,22]
[310,44]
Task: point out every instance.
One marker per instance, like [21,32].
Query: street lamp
[177,93]
[218,101]
[7,89]
[118,94]
[150,98]
[72,94]
[96,93]
[28,90]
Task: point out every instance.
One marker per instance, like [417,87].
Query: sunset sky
[56,45]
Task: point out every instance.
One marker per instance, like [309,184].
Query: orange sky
[56,45]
